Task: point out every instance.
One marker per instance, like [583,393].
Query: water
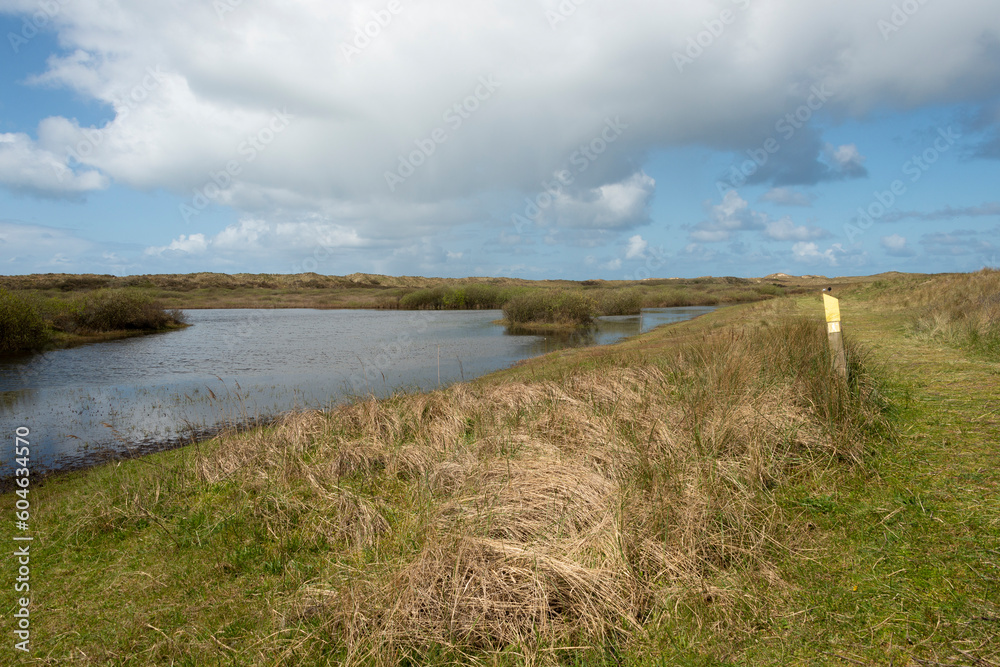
[90,403]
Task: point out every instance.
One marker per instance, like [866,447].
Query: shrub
[620,302]
[21,326]
[423,299]
[550,307]
[121,309]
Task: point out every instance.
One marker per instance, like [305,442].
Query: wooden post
[835,334]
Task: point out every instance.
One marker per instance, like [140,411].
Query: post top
[832,305]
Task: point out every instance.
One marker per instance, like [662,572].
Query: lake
[91,403]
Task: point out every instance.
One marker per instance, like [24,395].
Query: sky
[539,139]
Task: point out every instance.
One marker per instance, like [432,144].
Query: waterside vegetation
[32,321]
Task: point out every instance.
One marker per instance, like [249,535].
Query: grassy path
[909,569]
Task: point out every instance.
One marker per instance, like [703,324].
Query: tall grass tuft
[620,302]
[962,309]
[560,307]
[121,309]
[21,326]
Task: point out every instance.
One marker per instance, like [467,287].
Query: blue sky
[530,138]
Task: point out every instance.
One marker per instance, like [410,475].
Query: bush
[550,307]
[21,326]
[466,297]
[423,299]
[620,302]
[121,309]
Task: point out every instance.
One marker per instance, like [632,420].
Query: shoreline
[106,455]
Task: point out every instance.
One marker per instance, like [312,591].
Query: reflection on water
[234,366]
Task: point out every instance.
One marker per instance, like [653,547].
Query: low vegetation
[21,326]
[961,309]
[34,322]
[553,308]
[310,290]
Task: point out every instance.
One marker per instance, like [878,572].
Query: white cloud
[636,248]
[786,230]
[28,167]
[218,79]
[846,160]
[809,253]
[620,205]
[253,238]
[896,246]
[194,244]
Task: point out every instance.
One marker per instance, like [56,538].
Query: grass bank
[29,321]
[616,505]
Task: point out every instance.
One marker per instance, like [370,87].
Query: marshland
[709,492]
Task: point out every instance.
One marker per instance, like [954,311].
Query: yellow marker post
[835,334]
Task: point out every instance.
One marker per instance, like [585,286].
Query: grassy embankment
[31,321]
[705,494]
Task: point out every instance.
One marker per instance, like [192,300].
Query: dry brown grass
[960,309]
[552,512]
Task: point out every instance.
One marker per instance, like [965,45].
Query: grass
[706,494]
[508,520]
[310,290]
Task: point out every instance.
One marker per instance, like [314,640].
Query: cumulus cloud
[809,253]
[896,246]
[190,88]
[26,166]
[292,243]
[636,248]
[621,205]
[734,214]
[846,161]
[786,230]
